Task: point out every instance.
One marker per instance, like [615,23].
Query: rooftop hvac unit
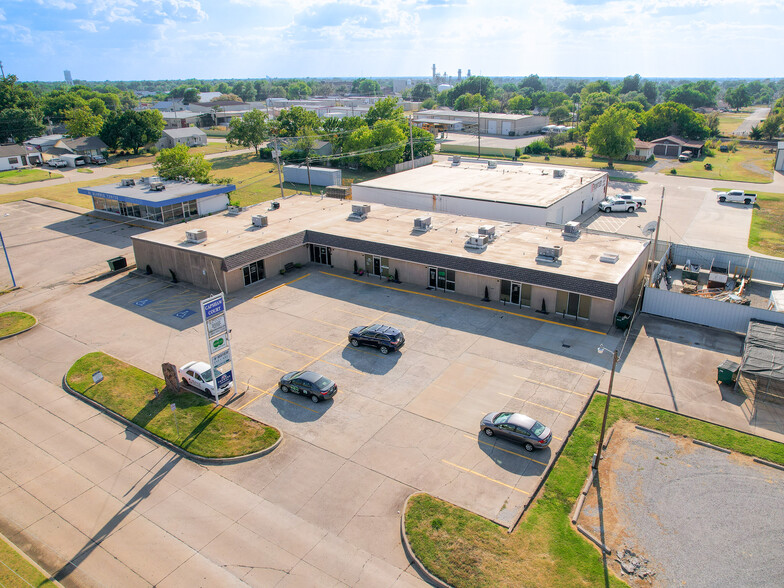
[360,211]
[422,223]
[127,182]
[488,231]
[143,180]
[571,229]
[558,173]
[196,236]
[553,252]
[157,186]
[492,165]
[259,220]
[477,241]
[455,160]
[609,257]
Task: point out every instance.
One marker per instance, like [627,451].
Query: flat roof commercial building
[520,193]
[159,201]
[590,277]
[490,123]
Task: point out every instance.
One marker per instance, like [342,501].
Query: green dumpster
[622,320]
[117,263]
[728,371]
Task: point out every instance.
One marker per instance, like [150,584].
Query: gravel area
[701,517]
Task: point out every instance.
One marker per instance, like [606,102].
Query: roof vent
[477,241]
[196,236]
[488,231]
[422,223]
[157,186]
[607,257]
[259,220]
[571,230]
[127,182]
[359,211]
[547,254]
[143,180]
[455,160]
[558,173]
[492,165]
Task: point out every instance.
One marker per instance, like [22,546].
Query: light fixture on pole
[602,349]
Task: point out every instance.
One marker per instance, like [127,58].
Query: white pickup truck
[737,196]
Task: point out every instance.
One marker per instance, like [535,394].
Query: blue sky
[158,39]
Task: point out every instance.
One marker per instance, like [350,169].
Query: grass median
[196,425]
[14,322]
[466,550]
[25,176]
[17,571]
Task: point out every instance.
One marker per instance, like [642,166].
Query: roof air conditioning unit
[488,231]
[422,223]
[360,211]
[607,257]
[477,241]
[558,173]
[127,182]
[492,165]
[196,236]
[259,220]
[571,229]
[553,252]
[455,160]
[143,180]
[157,186]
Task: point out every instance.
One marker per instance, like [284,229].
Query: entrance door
[492,127]
[506,128]
[432,280]
[573,305]
[514,297]
[376,266]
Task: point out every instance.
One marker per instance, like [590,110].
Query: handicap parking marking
[143,302]
[494,446]
[184,313]
[454,465]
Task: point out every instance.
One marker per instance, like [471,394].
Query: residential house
[672,146]
[181,119]
[490,123]
[643,151]
[14,157]
[190,136]
[42,144]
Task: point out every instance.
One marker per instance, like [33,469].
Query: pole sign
[216,333]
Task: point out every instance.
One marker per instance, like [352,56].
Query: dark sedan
[308,384]
[385,338]
[530,433]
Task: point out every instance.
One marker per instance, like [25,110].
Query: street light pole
[602,349]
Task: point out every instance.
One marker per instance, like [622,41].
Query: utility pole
[658,224]
[411,140]
[602,349]
[277,158]
[310,187]
[2,243]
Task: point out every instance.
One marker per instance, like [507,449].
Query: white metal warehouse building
[490,123]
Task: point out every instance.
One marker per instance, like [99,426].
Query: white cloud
[61,4]
[18,34]
[88,25]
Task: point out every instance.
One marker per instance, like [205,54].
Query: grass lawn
[14,322]
[198,426]
[257,180]
[66,193]
[766,234]
[729,121]
[465,549]
[747,164]
[627,180]
[123,161]
[84,170]
[17,571]
[24,176]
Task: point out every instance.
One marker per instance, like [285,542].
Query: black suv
[385,338]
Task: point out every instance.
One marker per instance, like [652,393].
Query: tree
[422,91]
[532,82]
[737,97]
[249,131]
[612,135]
[712,120]
[369,88]
[291,122]
[19,124]
[339,129]
[771,126]
[560,114]
[81,122]
[385,109]
[98,107]
[191,96]
[131,129]
[227,98]
[672,118]
[57,104]
[630,84]
[298,90]
[13,95]
[424,143]
[473,85]
[695,95]
[651,91]
[519,104]
[593,106]
[178,161]
[471,102]
[385,143]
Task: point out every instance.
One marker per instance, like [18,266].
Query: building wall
[5,165]
[318,177]
[577,202]
[212,204]
[533,124]
[779,160]
[189,266]
[235,279]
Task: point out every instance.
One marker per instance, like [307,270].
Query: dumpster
[728,371]
[622,320]
[117,263]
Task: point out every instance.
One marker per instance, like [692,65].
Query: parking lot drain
[710,446]
[646,429]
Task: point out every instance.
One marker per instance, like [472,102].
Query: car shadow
[299,409]
[512,457]
[370,360]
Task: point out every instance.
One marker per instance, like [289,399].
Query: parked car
[737,196]
[385,338]
[530,433]
[724,148]
[638,200]
[613,204]
[685,156]
[308,384]
[97,159]
[57,162]
[79,161]
[199,375]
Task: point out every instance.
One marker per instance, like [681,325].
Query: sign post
[216,333]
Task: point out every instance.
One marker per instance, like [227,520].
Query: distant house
[14,157]
[672,146]
[169,105]
[181,119]
[42,144]
[643,151]
[86,146]
[207,96]
[190,136]
[319,147]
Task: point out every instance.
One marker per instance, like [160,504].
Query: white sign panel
[216,332]
[216,325]
[221,358]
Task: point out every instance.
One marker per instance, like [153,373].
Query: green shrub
[674,171]
[537,147]
[578,151]
[152,150]
[563,152]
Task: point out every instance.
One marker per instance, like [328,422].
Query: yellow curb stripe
[278,287]
[483,476]
[533,318]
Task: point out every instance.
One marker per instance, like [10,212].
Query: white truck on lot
[737,196]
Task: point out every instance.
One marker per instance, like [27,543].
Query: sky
[178,39]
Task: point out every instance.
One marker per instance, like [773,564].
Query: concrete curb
[593,539]
[412,558]
[35,324]
[30,560]
[647,430]
[167,444]
[710,446]
[769,464]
